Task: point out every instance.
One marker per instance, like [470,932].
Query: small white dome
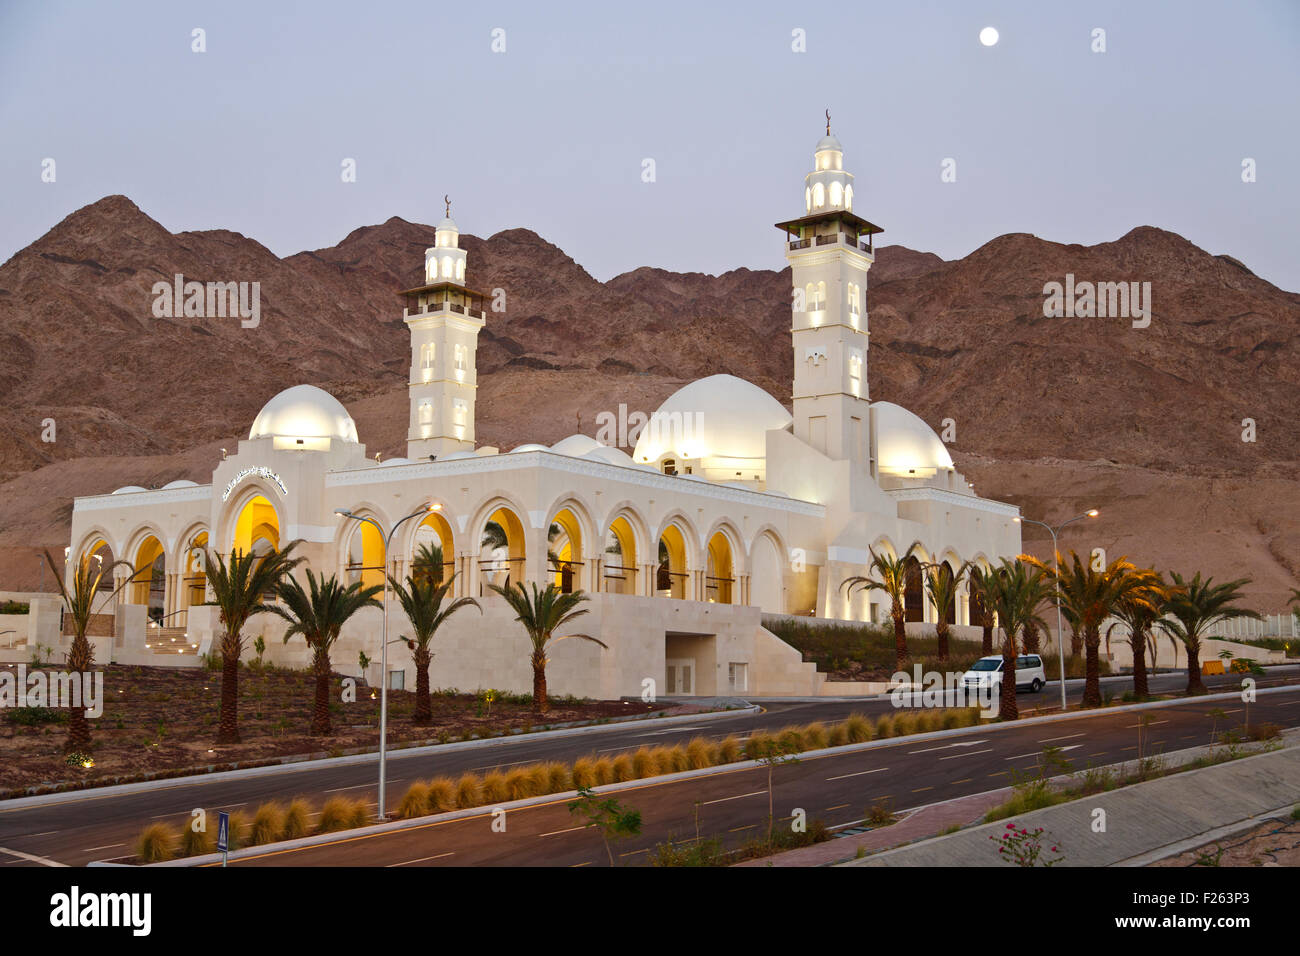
[530,446]
[609,455]
[829,142]
[180,483]
[576,445]
[716,417]
[448,225]
[129,490]
[304,411]
[905,444]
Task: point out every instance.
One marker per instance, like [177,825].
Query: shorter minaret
[444,317]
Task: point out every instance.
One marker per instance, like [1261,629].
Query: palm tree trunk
[987,649]
[540,704]
[1139,665]
[1194,683]
[1092,668]
[941,632]
[1076,642]
[80,658]
[320,715]
[1030,638]
[423,706]
[900,641]
[228,726]
[1007,707]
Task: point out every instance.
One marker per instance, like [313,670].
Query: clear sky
[1048,136]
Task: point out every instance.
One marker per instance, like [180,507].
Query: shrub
[838,735]
[952,719]
[1266,731]
[699,753]
[885,726]
[792,739]
[358,814]
[645,763]
[559,779]
[157,842]
[237,837]
[673,759]
[297,819]
[519,784]
[415,802]
[729,749]
[197,844]
[929,720]
[858,728]
[539,776]
[759,743]
[469,792]
[623,769]
[604,770]
[442,794]
[906,722]
[268,822]
[334,815]
[815,736]
[584,773]
[494,787]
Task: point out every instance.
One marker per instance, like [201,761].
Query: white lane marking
[1062,749]
[360,786]
[108,847]
[969,753]
[739,796]
[860,773]
[569,830]
[423,859]
[1149,723]
[229,806]
[671,730]
[31,858]
[964,743]
[1066,737]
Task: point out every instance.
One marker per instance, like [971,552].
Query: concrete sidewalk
[1141,821]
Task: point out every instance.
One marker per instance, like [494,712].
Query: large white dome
[905,444]
[304,411]
[719,417]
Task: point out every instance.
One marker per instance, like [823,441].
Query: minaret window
[855,308]
[460,270]
[855,373]
[837,194]
[819,196]
[426,413]
[446,267]
[427,353]
[807,199]
[848,198]
[460,362]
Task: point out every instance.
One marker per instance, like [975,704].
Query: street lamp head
[1016,519]
[435,506]
[1093,513]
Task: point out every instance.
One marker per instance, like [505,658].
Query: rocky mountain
[1054,414]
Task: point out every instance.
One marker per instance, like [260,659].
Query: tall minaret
[444,318]
[830,250]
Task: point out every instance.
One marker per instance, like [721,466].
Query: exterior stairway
[171,642]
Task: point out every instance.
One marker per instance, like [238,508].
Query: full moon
[988,36]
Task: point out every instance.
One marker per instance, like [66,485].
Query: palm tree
[1029,638]
[982,582]
[942,584]
[891,577]
[421,598]
[80,606]
[1139,617]
[1091,596]
[428,563]
[1018,589]
[238,590]
[1195,607]
[318,613]
[542,613]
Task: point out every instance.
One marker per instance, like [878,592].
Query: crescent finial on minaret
[828,122]
[447,200]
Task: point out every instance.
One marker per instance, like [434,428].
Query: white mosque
[729,507]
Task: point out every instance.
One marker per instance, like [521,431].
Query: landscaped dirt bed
[160,720]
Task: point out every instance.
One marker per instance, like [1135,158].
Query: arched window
[460,270]
[426,360]
[446,267]
[848,198]
[426,412]
[837,194]
[821,296]
[807,199]
[819,196]
[460,359]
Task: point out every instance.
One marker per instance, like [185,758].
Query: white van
[1030,674]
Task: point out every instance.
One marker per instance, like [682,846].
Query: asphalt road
[97,826]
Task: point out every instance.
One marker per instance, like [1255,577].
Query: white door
[680,676]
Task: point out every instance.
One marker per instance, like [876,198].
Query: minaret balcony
[840,238]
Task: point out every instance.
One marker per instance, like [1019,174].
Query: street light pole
[1056,585]
[387,539]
